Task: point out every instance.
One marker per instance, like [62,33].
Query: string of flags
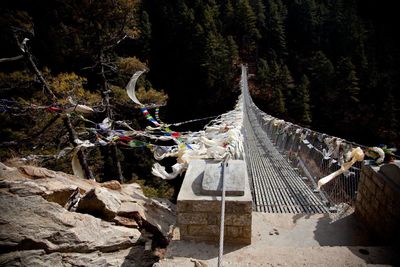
[221,138]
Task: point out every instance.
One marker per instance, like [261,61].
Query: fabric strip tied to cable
[78,108]
[220,140]
[130,88]
[356,155]
[76,165]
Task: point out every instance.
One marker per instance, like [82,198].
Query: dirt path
[290,240]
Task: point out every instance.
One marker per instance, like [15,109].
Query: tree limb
[9,59]
[109,112]
[28,56]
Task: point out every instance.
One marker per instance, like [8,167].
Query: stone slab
[191,186]
[233,175]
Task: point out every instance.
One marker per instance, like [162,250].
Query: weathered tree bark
[113,147]
[117,163]
[81,156]
[28,56]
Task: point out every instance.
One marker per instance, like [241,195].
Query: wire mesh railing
[309,153]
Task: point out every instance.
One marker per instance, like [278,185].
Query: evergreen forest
[330,65]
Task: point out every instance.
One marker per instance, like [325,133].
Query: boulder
[36,229]
[124,221]
[127,209]
[161,214]
[37,172]
[131,257]
[99,202]
[29,181]
[31,222]
[113,185]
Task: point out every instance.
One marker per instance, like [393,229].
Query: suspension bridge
[285,219]
[276,186]
[284,168]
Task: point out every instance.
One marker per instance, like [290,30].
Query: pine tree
[301,25]
[246,26]
[274,38]
[259,11]
[322,90]
[347,81]
[300,109]
[347,99]
[277,98]
[145,35]
[227,18]
[263,72]
[388,120]
[233,50]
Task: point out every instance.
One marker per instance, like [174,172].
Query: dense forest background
[329,65]
[333,66]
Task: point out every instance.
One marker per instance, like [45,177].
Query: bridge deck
[276,186]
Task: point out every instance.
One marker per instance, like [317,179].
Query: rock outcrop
[112,225]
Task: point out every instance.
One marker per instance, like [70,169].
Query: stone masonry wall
[200,220]
[378,202]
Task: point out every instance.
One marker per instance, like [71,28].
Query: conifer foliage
[333,66]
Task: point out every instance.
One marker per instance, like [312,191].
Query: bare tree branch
[9,59]
[28,56]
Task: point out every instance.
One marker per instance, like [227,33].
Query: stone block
[204,230]
[232,231]
[239,207]
[370,186]
[380,196]
[378,180]
[206,206]
[378,202]
[183,230]
[246,232]
[184,206]
[375,205]
[192,218]
[237,220]
[213,218]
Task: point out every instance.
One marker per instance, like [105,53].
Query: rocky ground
[54,219]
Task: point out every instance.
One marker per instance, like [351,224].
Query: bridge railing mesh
[308,151]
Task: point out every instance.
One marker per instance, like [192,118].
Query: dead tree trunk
[28,56]
[81,156]
[117,163]
[113,147]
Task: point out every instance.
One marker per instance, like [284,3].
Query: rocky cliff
[54,219]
